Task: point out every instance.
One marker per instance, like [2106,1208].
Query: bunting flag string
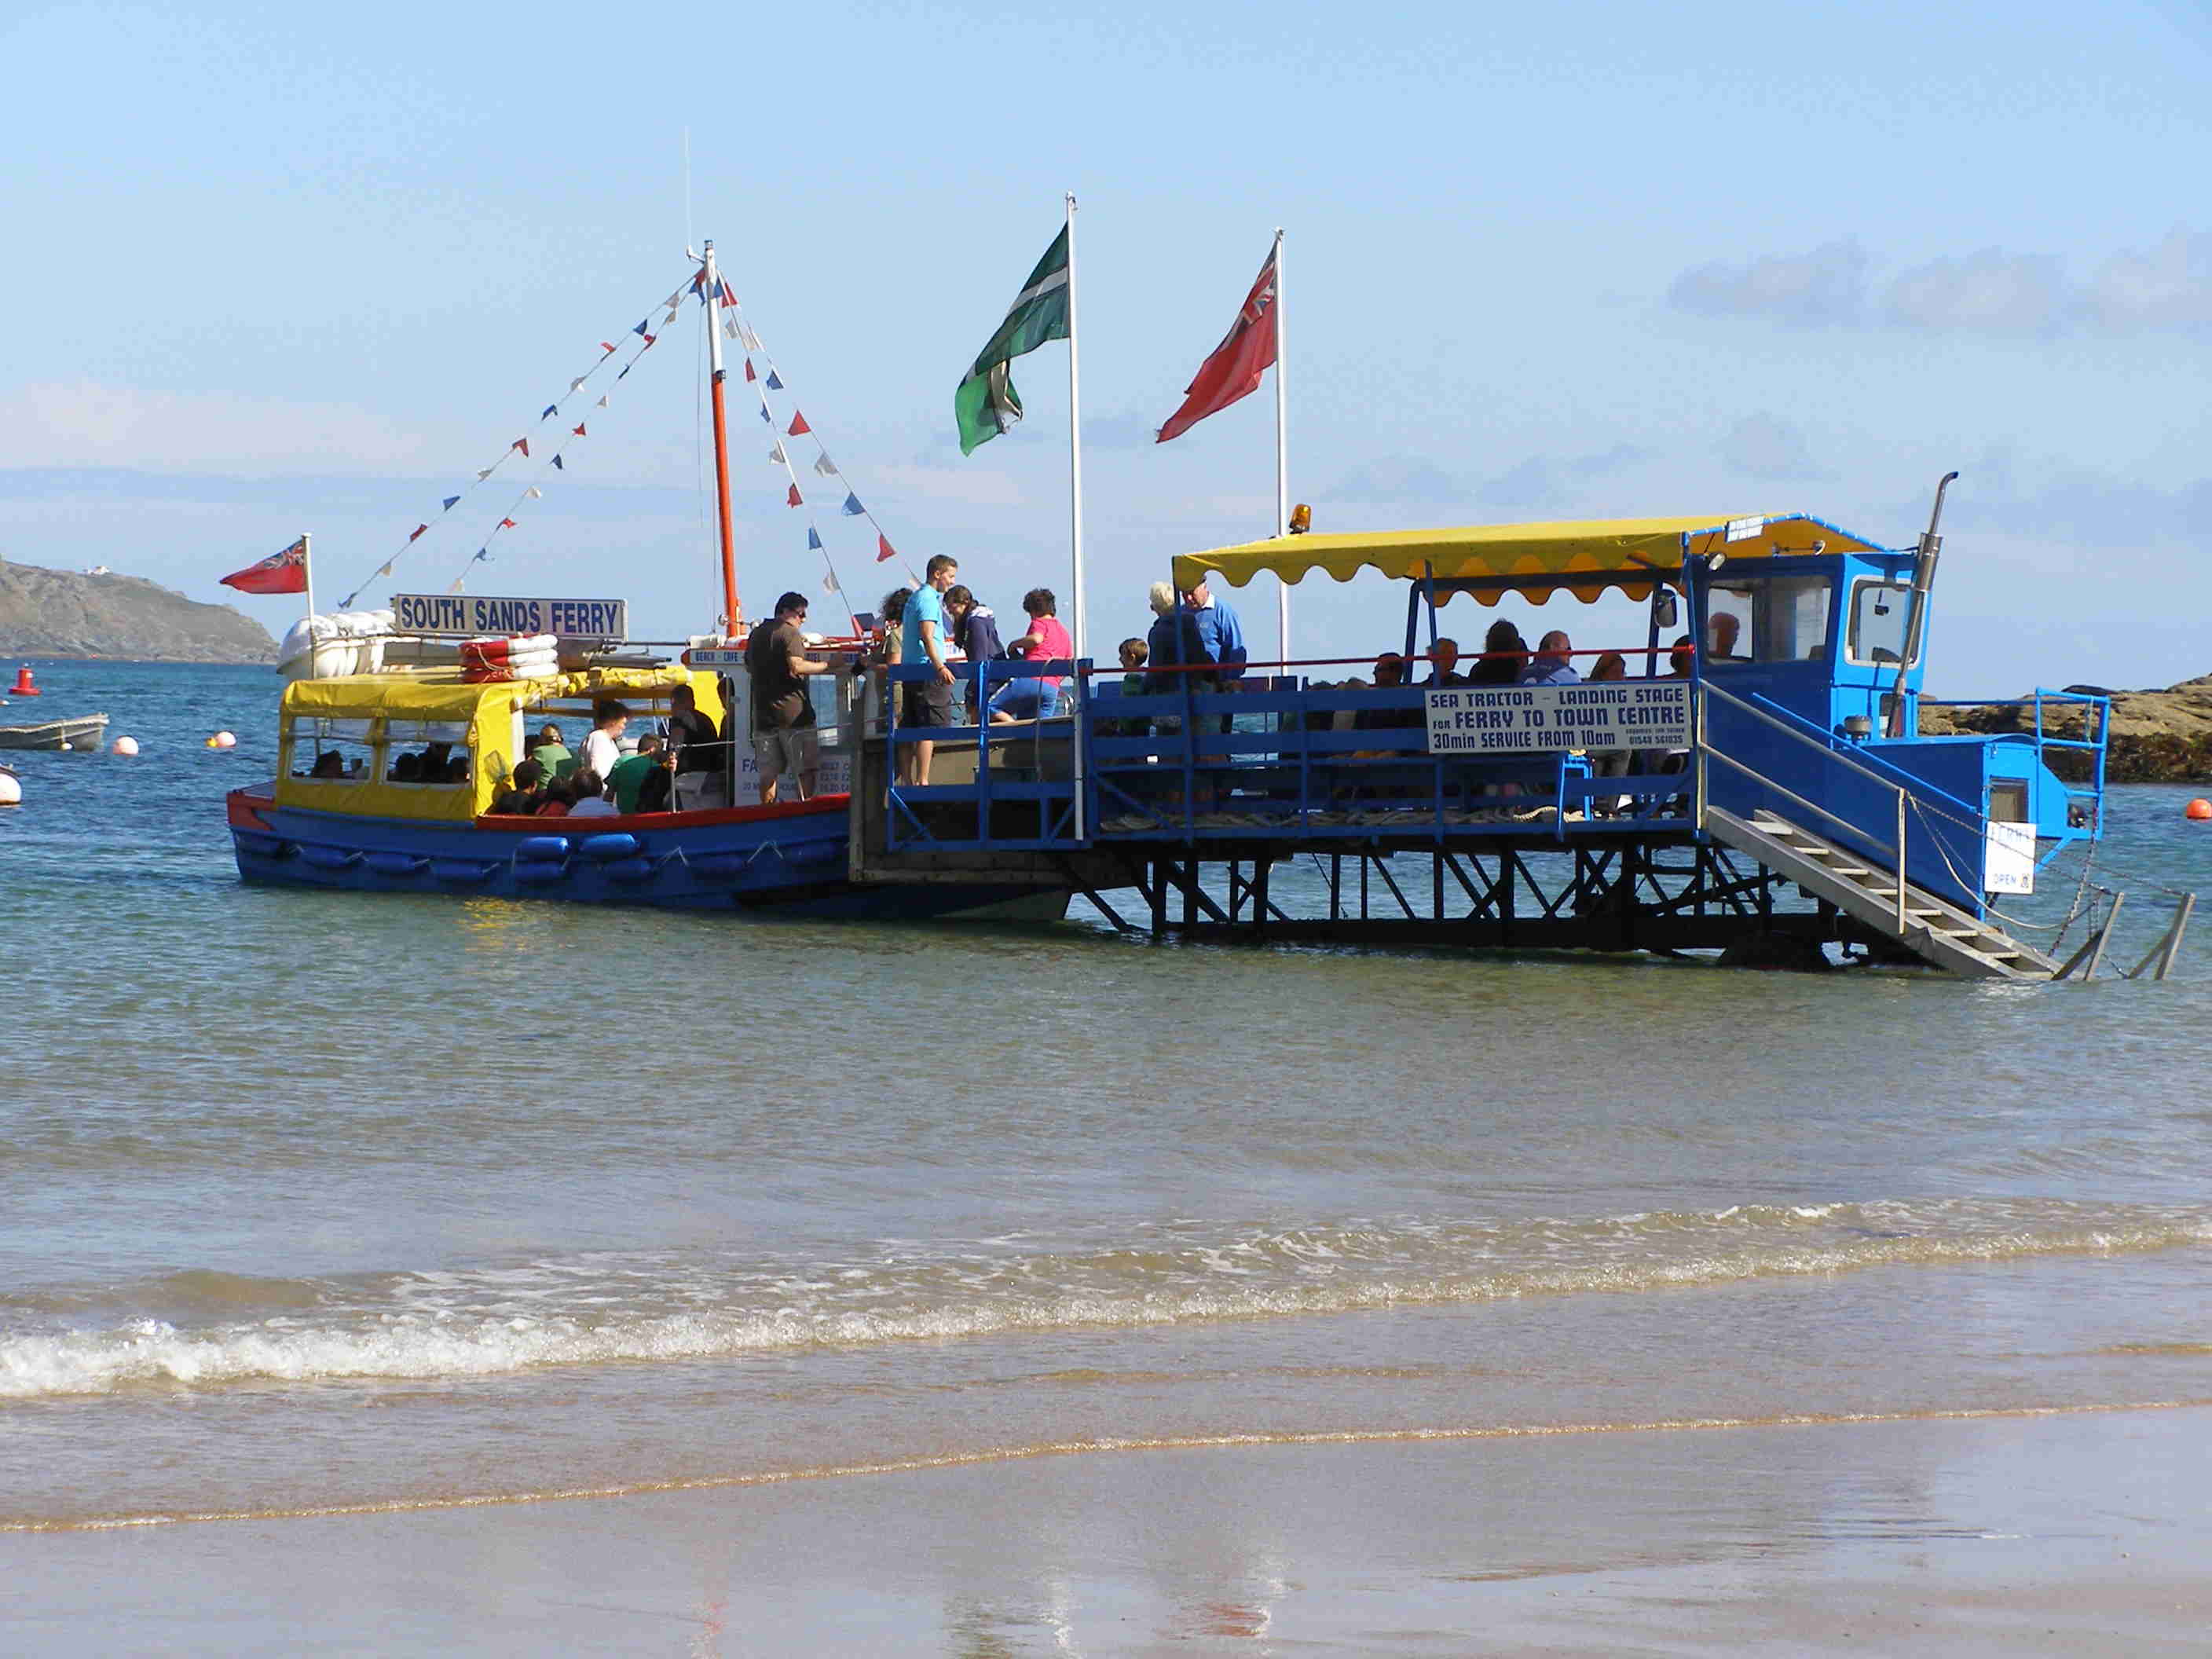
[735,324]
[521,446]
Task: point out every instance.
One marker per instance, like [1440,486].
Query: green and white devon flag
[986,403]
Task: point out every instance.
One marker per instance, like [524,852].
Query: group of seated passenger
[635,783]
[432,765]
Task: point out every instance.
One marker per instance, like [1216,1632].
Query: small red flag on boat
[883,547]
[507,523]
[606,349]
[1246,352]
[798,424]
[280,573]
[419,529]
[579,429]
[793,500]
[749,375]
[522,444]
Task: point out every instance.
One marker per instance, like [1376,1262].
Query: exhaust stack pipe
[1916,620]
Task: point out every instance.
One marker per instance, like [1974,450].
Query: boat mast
[732,618]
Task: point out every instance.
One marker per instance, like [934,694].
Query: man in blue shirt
[1550,665]
[1220,637]
[924,641]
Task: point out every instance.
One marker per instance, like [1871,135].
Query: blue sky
[279,268]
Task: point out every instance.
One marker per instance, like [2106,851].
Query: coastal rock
[64,613]
[2157,736]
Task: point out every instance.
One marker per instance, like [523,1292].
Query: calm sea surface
[309,1202]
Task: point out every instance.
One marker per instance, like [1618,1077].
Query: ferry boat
[346,810]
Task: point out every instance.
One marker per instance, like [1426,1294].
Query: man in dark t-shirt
[692,734]
[783,714]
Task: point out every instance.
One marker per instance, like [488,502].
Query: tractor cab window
[1879,610]
[1768,619]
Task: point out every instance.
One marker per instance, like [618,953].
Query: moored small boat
[79,732]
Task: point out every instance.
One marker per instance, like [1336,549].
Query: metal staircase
[1939,932]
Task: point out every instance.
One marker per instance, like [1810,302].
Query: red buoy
[2199,809]
[22,687]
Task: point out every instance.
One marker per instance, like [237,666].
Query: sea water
[323,1202]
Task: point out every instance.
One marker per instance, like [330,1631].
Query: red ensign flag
[280,573]
[1245,353]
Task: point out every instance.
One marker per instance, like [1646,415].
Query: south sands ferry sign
[470,616]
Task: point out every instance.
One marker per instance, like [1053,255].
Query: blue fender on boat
[397,864]
[617,844]
[460,869]
[541,847]
[329,857]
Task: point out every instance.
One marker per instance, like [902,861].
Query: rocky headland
[2157,737]
[66,613]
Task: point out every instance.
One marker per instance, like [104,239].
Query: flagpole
[1075,515]
[1282,464]
[307,570]
[710,290]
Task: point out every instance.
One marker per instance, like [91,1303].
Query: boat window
[326,750]
[431,754]
[1879,610]
[1768,619]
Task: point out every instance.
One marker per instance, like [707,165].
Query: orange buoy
[2199,809]
[22,687]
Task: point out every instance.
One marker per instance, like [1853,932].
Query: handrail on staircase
[1704,748]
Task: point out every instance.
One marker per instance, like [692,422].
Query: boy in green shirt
[631,770]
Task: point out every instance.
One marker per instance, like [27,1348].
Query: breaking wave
[202,1330]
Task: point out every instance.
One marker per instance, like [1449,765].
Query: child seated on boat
[591,796]
[523,798]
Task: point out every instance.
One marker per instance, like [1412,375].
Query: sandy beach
[2082,1532]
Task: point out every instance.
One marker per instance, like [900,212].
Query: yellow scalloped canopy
[1531,560]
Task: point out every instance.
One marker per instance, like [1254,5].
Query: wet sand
[2083,1532]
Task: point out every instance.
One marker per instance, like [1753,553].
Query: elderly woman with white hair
[1173,649]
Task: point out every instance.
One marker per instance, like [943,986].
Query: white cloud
[89,425]
[973,486]
[1988,292]
[2169,286]
[1763,446]
[1820,289]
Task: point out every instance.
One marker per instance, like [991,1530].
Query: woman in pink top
[1046,641]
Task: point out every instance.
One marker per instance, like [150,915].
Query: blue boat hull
[788,859]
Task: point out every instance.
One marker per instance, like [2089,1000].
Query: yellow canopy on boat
[408,709]
[1520,557]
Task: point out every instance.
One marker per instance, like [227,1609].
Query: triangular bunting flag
[557,467]
[774,383]
[507,523]
[813,539]
[576,384]
[798,426]
[830,583]
[602,403]
[606,349]
[674,300]
[777,455]
[795,498]
[624,375]
[765,416]
[751,339]
[649,339]
[851,509]
[548,414]
[824,465]
[482,474]
[448,507]
[456,587]
[578,429]
[522,444]
[883,548]
[730,328]
[749,375]
[533,493]
[384,570]
[669,318]
[640,329]
[419,529]
[484,557]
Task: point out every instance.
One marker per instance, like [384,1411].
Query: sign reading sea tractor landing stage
[1505,718]
[472,614]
